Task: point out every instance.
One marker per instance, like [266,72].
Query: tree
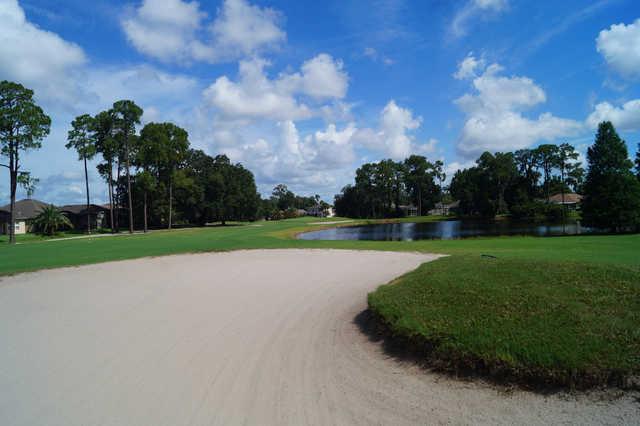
[285,199]
[81,137]
[176,149]
[23,125]
[50,220]
[419,181]
[28,183]
[611,191]
[568,166]
[126,115]
[106,145]
[546,158]
[527,163]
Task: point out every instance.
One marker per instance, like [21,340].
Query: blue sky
[303,92]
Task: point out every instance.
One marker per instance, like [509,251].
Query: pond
[444,230]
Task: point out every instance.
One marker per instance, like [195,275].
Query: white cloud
[626,118]
[494,115]
[255,96]
[620,46]
[167,30]
[322,77]
[142,83]
[472,10]
[394,137]
[38,59]
[245,28]
[174,30]
[467,68]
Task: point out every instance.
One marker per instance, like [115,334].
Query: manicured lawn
[34,253]
[535,321]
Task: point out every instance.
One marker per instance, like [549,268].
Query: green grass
[35,253]
[536,321]
[561,310]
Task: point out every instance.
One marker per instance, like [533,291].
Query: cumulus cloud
[242,27]
[626,117]
[495,120]
[256,96]
[473,10]
[36,58]
[393,137]
[167,30]
[467,68]
[176,31]
[620,47]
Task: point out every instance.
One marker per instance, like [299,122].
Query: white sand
[250,337]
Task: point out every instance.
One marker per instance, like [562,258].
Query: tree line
[154,178]
[520,183]
[382,188]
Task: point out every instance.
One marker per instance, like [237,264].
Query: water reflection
[445,230]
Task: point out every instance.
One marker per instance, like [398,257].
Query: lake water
[444,230]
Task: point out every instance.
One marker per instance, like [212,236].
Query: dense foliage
[611,191]
[381,189]
[518,183]
[50,220]
[158,175]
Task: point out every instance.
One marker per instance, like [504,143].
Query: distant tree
[285,199]
[570,171]
[176,149]
[547,158]
[420,184]
[107,145]
[28,183]
[23,125]
[82,138]
[50,220]
[527,163]
[611,191]
[126,115]
[160,150]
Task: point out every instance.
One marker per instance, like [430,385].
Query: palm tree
[50,220]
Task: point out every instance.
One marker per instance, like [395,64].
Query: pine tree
[611,191]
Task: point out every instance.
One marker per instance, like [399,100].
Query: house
[319,211]
[571,200]
[77,214]
[25,211]
[444,209]
[408,210]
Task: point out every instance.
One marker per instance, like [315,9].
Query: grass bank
[539,322]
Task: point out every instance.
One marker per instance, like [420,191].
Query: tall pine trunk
[13,178]
[86,182]
[111,206]
[117,201]
[126,154]
[145,210]
[170,199]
